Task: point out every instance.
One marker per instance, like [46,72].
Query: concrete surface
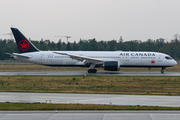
[148,100]
[96,74]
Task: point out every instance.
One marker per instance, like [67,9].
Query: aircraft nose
[175,63]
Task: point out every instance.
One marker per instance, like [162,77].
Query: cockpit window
[169,58]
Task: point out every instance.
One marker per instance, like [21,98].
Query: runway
[90,99]
[147,100]
[90,115]
[93,74]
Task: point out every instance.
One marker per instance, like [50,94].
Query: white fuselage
[127,59]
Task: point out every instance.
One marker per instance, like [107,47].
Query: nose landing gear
[162,70]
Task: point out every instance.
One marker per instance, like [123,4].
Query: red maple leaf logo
[152,61]
[24,45]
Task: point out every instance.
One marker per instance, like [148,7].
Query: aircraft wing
[84,59]
[18,55]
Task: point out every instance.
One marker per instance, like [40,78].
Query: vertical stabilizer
[24,45]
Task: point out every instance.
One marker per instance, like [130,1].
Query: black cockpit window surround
[169,58]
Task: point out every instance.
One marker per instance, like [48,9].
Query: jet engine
[111,65]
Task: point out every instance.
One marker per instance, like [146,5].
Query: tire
[94,71]
[89,71]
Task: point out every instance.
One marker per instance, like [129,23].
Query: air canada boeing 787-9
[108,60]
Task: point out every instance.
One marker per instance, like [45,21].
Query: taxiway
[64,98]
[90,115]
[94,74]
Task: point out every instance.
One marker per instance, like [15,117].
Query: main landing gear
[92,70]
[162,70]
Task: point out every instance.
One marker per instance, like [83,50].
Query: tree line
[171,48]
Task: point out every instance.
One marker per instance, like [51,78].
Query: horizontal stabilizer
[17,55]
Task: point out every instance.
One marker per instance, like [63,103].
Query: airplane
[108,60]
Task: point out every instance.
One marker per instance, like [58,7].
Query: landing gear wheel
[162,71]
[92,71]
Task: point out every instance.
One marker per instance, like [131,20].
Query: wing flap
[84,59]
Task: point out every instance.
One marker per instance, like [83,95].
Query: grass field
[88,84]
[114,85]
[109,85]
[29,67]
[44,106]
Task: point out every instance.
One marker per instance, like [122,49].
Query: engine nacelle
[111,65]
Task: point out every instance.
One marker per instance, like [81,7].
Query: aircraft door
[49,58]
[42,58]
[160,58]
[127,58]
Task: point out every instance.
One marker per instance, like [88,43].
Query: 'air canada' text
[137,54]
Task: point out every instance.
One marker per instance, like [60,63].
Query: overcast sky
[87,19]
